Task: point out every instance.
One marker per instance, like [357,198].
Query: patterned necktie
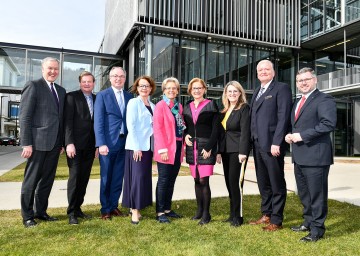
[260,93]
[54,94]
[90,104]
[302,102]
[120,102]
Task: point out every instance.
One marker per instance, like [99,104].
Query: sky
[69,24]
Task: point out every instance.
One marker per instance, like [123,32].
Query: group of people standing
[127,133]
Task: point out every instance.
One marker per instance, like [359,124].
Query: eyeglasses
[232,91]
[197,88]
[304,80]
[171,88]
[116,76]
[144,86]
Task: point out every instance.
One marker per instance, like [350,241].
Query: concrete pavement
[344,183]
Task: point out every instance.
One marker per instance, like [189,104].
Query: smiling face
[171,90]
[197,90]
[306,82]
[87,84]
[265,71]
[117,78]
[232,94]
[50,70]
[144,88]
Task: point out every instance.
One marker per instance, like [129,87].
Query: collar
[266,85]
[116,90]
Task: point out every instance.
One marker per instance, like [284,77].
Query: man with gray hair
[41,122]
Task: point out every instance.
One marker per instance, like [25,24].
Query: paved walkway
[344,183]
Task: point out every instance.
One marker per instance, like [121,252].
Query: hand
[205,154]
[103,150]
[288,138]
[62,150]
[188,141]
[218,158]
[275,150]
[164,156]
[27,152]
[70,150]
[97,153]
[242,158]
[137,155]
[296,137]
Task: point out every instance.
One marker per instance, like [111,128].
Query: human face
[306,82]
[87,84]
[265,72]
[117,78]
[197,91]
[50,70]
[232,94]
[144,88]
[171,90]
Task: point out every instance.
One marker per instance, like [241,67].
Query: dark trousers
[312,184]
[271,183]
[232,168]
[79,174]
[38,180]
[167,174]
[111,177]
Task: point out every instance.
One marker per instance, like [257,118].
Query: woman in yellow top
[234,145]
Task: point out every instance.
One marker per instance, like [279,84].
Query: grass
[182,236]
[62,172]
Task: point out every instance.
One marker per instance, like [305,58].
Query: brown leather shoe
[117,213]
[263,220]
[272,227]
[105,216]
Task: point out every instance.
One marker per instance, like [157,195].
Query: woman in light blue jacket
[137,192]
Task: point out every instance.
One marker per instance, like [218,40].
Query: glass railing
[340,78]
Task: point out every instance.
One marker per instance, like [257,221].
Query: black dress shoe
[300,228]
[310,238]
[83,215]
[204,221]
[173,214]
[73,220]
[228,219]
[29,223]
[237,221]
[46,217]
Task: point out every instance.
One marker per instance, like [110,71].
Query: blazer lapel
[306,104]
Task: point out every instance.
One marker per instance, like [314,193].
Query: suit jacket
[78,124]
[164,132]
[139,122]
[316,120]
[108,118]
[270,115]
[41,120]
[236,138]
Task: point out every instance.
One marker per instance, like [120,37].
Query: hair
[194,80]
[267,61]
[136,84]
[47,59]
[116,68]
[305,70]
[242,97]
[86,73]
[170,79]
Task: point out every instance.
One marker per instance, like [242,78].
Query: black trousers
[232,168]
[38,180]
[271,183]
[312,184]
[79,174]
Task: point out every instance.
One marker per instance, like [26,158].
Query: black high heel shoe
[205,221]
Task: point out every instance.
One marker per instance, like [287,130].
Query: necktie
[90,104]
[260,93]
[121,102]
[54,94]
[300,106]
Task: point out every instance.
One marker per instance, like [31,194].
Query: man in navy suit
[41,122]
[313,118]
[110,133]
[80,143]
[270,117]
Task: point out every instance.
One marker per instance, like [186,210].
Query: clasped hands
[205,154]
[293,138]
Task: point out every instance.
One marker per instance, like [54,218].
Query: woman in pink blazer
[168,153]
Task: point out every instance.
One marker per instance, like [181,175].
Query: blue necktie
[54,94]
[260,93]
[90,104]
[122,108]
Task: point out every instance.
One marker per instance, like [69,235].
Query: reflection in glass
[12,64]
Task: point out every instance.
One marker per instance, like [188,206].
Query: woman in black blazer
[234,145]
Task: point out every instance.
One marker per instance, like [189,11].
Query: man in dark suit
[110,134]
[270,117]
[41,122]
[313,119]
[80,143]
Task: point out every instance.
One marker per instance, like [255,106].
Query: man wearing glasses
[313,118]
[110,133]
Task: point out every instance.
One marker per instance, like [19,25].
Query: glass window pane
[12,67]
[34,64]
[101,73]
[73,65]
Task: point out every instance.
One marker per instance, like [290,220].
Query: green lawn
[181,237]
